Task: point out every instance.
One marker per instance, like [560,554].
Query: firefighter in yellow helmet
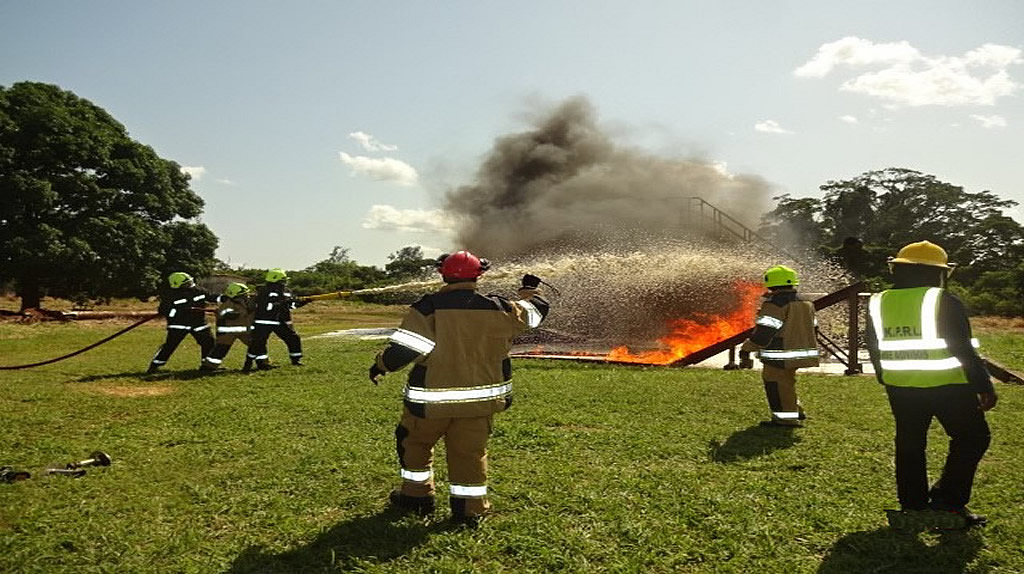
[920,344]
[183,306]
[457,341]
[784,339]
[234,322]
[273,314]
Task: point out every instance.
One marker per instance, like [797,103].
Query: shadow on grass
[158,376]
[887,550]
[752,441]
[376,539]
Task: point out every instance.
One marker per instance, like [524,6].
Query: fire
[687,336]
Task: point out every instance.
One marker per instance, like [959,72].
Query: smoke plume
[565,185]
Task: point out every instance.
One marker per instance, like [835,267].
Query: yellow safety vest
[911,353]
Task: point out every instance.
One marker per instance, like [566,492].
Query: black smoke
[564,185]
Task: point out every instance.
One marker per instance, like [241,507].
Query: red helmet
[463,265]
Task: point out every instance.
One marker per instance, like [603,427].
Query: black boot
[247,366]
[420,505]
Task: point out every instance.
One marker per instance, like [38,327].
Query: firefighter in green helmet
[183,306]
[234,323]
[784,339]
[273,314]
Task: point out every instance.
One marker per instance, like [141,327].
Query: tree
[889,208]
[336,273]
[85,209]
[408,263]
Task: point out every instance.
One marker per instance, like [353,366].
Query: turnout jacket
[234,318]
[459,341]
[183,308]
[784,334]
[921,337]
[274,304]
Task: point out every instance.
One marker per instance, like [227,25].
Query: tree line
[860,222]
[88,213]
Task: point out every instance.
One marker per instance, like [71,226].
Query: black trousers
[261,334]
[175,337]
[956,408]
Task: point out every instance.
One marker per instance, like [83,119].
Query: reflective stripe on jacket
[458,341]
[183,308]
[910,351]
[784,335]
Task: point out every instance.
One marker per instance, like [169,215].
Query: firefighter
[234,322]
[784,339]
[183,305]
[457,341]
[274,304]
[919,341]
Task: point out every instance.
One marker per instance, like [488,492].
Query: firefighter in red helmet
[457,341]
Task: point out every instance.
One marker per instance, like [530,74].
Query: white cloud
[381,169]
[990,121]
[848,119]
[196,172]
[903,76]
[854,51]
[224,181]
[770,127]
[370,143]
[389,218]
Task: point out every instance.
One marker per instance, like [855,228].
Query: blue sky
[311,124]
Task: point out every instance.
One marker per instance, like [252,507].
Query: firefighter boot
[264,365]
[248,365]
[297,361]
[419,505]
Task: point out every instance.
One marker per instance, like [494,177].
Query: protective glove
[375,373]
[530,281]
[301,303]
[745,361]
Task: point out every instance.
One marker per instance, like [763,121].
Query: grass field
[595,468]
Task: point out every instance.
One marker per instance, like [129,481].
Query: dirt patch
[999,324]
[130,391]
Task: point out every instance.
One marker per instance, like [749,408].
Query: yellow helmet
[236,289]
[922,253]
[276,275]
[178,279]
[780,276]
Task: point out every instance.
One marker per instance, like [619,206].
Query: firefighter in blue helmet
[273,314]
[457,341]
[920,344]
[784,339]
[183,305]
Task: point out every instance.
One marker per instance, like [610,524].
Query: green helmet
[780,276]
[235,289]
[178,279]
[276,275]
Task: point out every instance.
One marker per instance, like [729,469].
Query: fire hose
[84,349]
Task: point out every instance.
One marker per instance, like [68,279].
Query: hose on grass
[82,350]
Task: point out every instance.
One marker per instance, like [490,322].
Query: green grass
[594,469]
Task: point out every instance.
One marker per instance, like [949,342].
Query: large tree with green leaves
[893,207]
[85,210]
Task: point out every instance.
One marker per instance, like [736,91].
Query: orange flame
[687,336]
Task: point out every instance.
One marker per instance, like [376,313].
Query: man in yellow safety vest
[920,344]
